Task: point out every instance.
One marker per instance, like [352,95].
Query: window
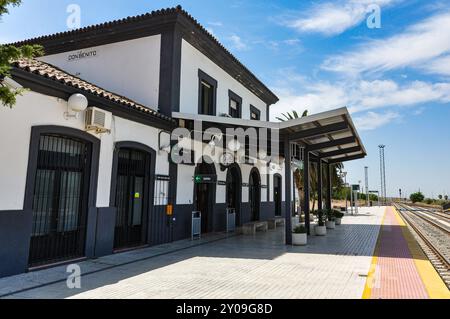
[255,114]
[207,94]
[235,105]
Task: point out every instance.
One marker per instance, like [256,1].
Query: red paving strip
[396,275]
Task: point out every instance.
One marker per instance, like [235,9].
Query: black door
[204,195]
[277,196]
[131,198]
[60,200]
[234,191]
[255,195]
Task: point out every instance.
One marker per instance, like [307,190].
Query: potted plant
[338,217]
[320,229]
[299,236]
[331,219]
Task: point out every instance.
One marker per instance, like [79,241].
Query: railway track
[432,236]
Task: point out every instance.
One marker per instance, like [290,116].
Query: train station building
[130,126]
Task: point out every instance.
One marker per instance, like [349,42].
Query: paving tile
[237,267]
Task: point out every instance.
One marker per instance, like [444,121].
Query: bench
[252,227]
[273,222]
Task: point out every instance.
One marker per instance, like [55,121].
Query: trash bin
[196,225]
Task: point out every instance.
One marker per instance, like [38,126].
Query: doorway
[131,197]
[60,199]
[234,191]
[255,194]
[205,194]
[277,194]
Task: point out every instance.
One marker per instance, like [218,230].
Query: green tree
[446,197]
[9,54]
[417,197]
[440,197]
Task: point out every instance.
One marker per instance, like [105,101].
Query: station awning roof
[330,135]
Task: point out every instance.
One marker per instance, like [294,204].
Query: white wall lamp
[234,145]
[76,104]
[164,144]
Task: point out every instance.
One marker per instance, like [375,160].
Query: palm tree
[336,180]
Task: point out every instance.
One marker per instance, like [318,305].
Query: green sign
[205,179]
[355,187]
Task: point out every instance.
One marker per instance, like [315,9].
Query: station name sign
[80,55]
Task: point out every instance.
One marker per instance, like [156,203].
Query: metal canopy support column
[288,190]
[306,189]
[329,182]
[319,184]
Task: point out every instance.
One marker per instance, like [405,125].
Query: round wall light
[234,145]
[77,102]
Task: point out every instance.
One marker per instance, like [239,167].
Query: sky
[394,76]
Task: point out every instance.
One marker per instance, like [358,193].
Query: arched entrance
[205,193]
[61,186]
[255,194]
[234,190]
[277,193]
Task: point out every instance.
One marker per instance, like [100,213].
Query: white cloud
[419,44]
[372,120]
[439,65]
[299,93]
[333,18]
[237,43]
[215,23]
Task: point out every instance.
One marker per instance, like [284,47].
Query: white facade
[34,109]
[129,68]
[191,61]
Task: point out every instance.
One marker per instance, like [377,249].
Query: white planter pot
[299,239]
[330,225]
[320,230]
[338,221]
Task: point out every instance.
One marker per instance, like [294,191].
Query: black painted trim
[238,99]
[254,109]
[170,72]
[202,76]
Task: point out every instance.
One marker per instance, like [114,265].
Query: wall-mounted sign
[205,179]
[264,186]
[222,183]
[162,178]
[245,185]
[82,55]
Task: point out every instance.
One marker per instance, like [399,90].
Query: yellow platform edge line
[367,293]
[433,283]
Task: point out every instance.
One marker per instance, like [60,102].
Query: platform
[360,258]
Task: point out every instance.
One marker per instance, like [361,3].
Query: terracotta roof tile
[54,73]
